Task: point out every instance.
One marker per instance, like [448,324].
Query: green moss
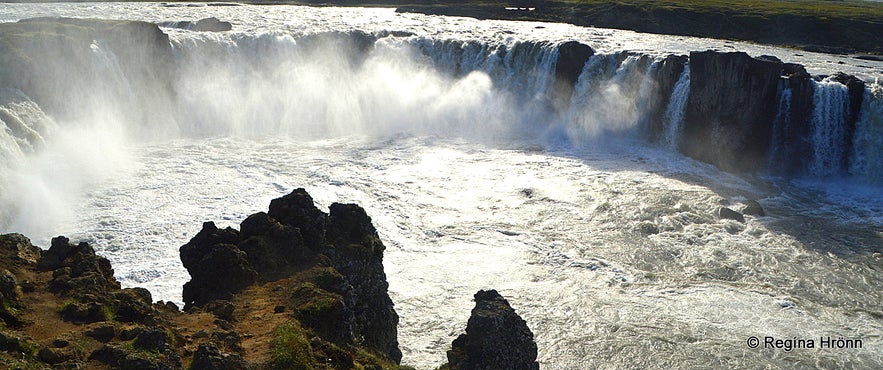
[64,306]
[290,349]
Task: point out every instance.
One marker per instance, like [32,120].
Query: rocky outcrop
[753,208]
[496,338]
[731,106]
[572,56]
[344,297]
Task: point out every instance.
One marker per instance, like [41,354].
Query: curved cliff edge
[293,288]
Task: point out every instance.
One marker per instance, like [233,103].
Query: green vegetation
[291,348]
[856,10]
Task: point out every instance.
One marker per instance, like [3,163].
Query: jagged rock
[298,210]
[54,356]
[496,338]
[103,332]
[753,208]
[9,289]
[16,247]
[228,340]
[212,24]
[729,114]
[209,357]
[273,249]
[217,267]
[357,254]
[77,269]
[726,213]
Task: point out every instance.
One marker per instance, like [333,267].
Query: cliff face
[731,107]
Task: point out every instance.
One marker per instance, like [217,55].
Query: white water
[677,106]
[608,246]
[830,104]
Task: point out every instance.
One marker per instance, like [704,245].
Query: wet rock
[572,56]
[729,114]
[209,357]
[212,24]
[729,214]
[496,338]
[753,208]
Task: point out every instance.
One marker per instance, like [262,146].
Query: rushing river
[608,245]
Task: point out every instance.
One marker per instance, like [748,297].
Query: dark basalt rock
[730,110]
[77,270]
[729,214]
[209,357]
[572,56]
[212,24]
[217,267]
[496,338]
[18,248]
[346,302]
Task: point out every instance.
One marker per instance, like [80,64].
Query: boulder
[753,208]
[496,338]
[728,214]
[572,56]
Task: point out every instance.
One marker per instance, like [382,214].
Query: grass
[856,10]
[290,348]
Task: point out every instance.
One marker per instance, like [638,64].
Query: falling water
[677,105]
[831,104]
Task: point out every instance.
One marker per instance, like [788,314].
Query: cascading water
[831,102]
[781,125]
[611,251]
[868,138]
[677,105]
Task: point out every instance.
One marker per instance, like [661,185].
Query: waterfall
[867,155]
[677,105]
[831,104]
[781,126]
